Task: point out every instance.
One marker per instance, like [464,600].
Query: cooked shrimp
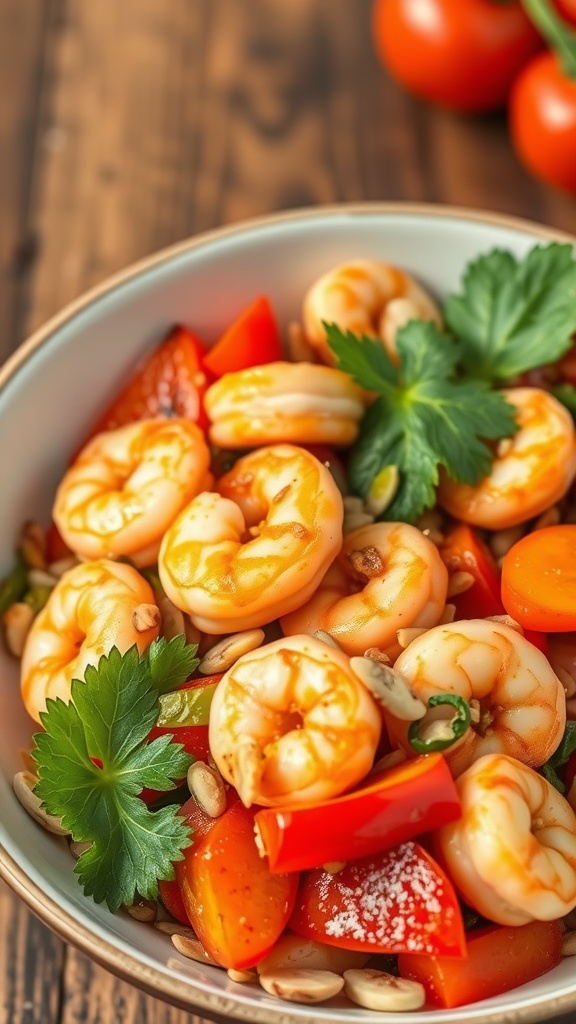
[92,608]
[512,854]
[128,485]
[521,700]
[532,470]
[297,402]
[290,722]
[388,576]
[365,297]
[287,503]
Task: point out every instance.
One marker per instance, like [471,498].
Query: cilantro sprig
[514,315]
[560,758]
[93,759]
[436,406]
[424,418]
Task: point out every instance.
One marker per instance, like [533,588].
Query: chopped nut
[377,990]
[501,541]
[301,985]
[242,977]
[17,621]
[569,944]
[447,615]
[175,928]
[389,688]
[207,787]
[172,618]
[24,783]
[459,582]
[41,578]
[407,635]
[191,948]
[293,951]
[355,520]
[388,761]
[145,617]
[224,654]
[143,910]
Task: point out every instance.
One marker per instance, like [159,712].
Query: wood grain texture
[126,126]
[22,38]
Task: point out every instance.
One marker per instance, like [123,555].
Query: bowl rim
[182,992]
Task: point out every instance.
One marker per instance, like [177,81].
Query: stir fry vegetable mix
[289,825]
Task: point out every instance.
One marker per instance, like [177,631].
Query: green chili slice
[186,707]
[458,725]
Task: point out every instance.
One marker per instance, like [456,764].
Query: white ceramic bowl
[50,392]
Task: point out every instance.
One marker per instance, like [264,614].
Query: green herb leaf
[108,722]
[172,662]
[515,315]
[560,757]
[425,417]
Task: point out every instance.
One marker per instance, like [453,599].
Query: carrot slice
[539,580]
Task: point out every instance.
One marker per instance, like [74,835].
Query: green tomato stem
[558,35]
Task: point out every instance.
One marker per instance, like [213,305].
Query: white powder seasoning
[395,901]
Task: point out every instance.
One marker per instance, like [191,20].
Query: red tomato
[464,551]
[392,902]
[462,54]
[237,908]
[172,900]
[253,339]
[542,116]
[171,382]
[497,960]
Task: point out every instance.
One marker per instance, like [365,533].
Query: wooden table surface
[125,126]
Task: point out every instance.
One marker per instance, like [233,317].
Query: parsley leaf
[560,757]
[172,662]
[108,720]
[424,418]
[515,315]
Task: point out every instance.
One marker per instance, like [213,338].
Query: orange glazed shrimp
[90,610]
[512,854]
[297,402]
[290,722]
[257,549]
[532,470]
[128,485]
[365,297]
[522,707]
[388,576]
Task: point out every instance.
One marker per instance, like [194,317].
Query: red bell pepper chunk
[253,339]
[463,550]
[172,899]
[498,959]
[237,908]
[394,806]
[171,382]
[391,902]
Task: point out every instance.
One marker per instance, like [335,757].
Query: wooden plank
[22,24]
[31,962]
[92,994]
